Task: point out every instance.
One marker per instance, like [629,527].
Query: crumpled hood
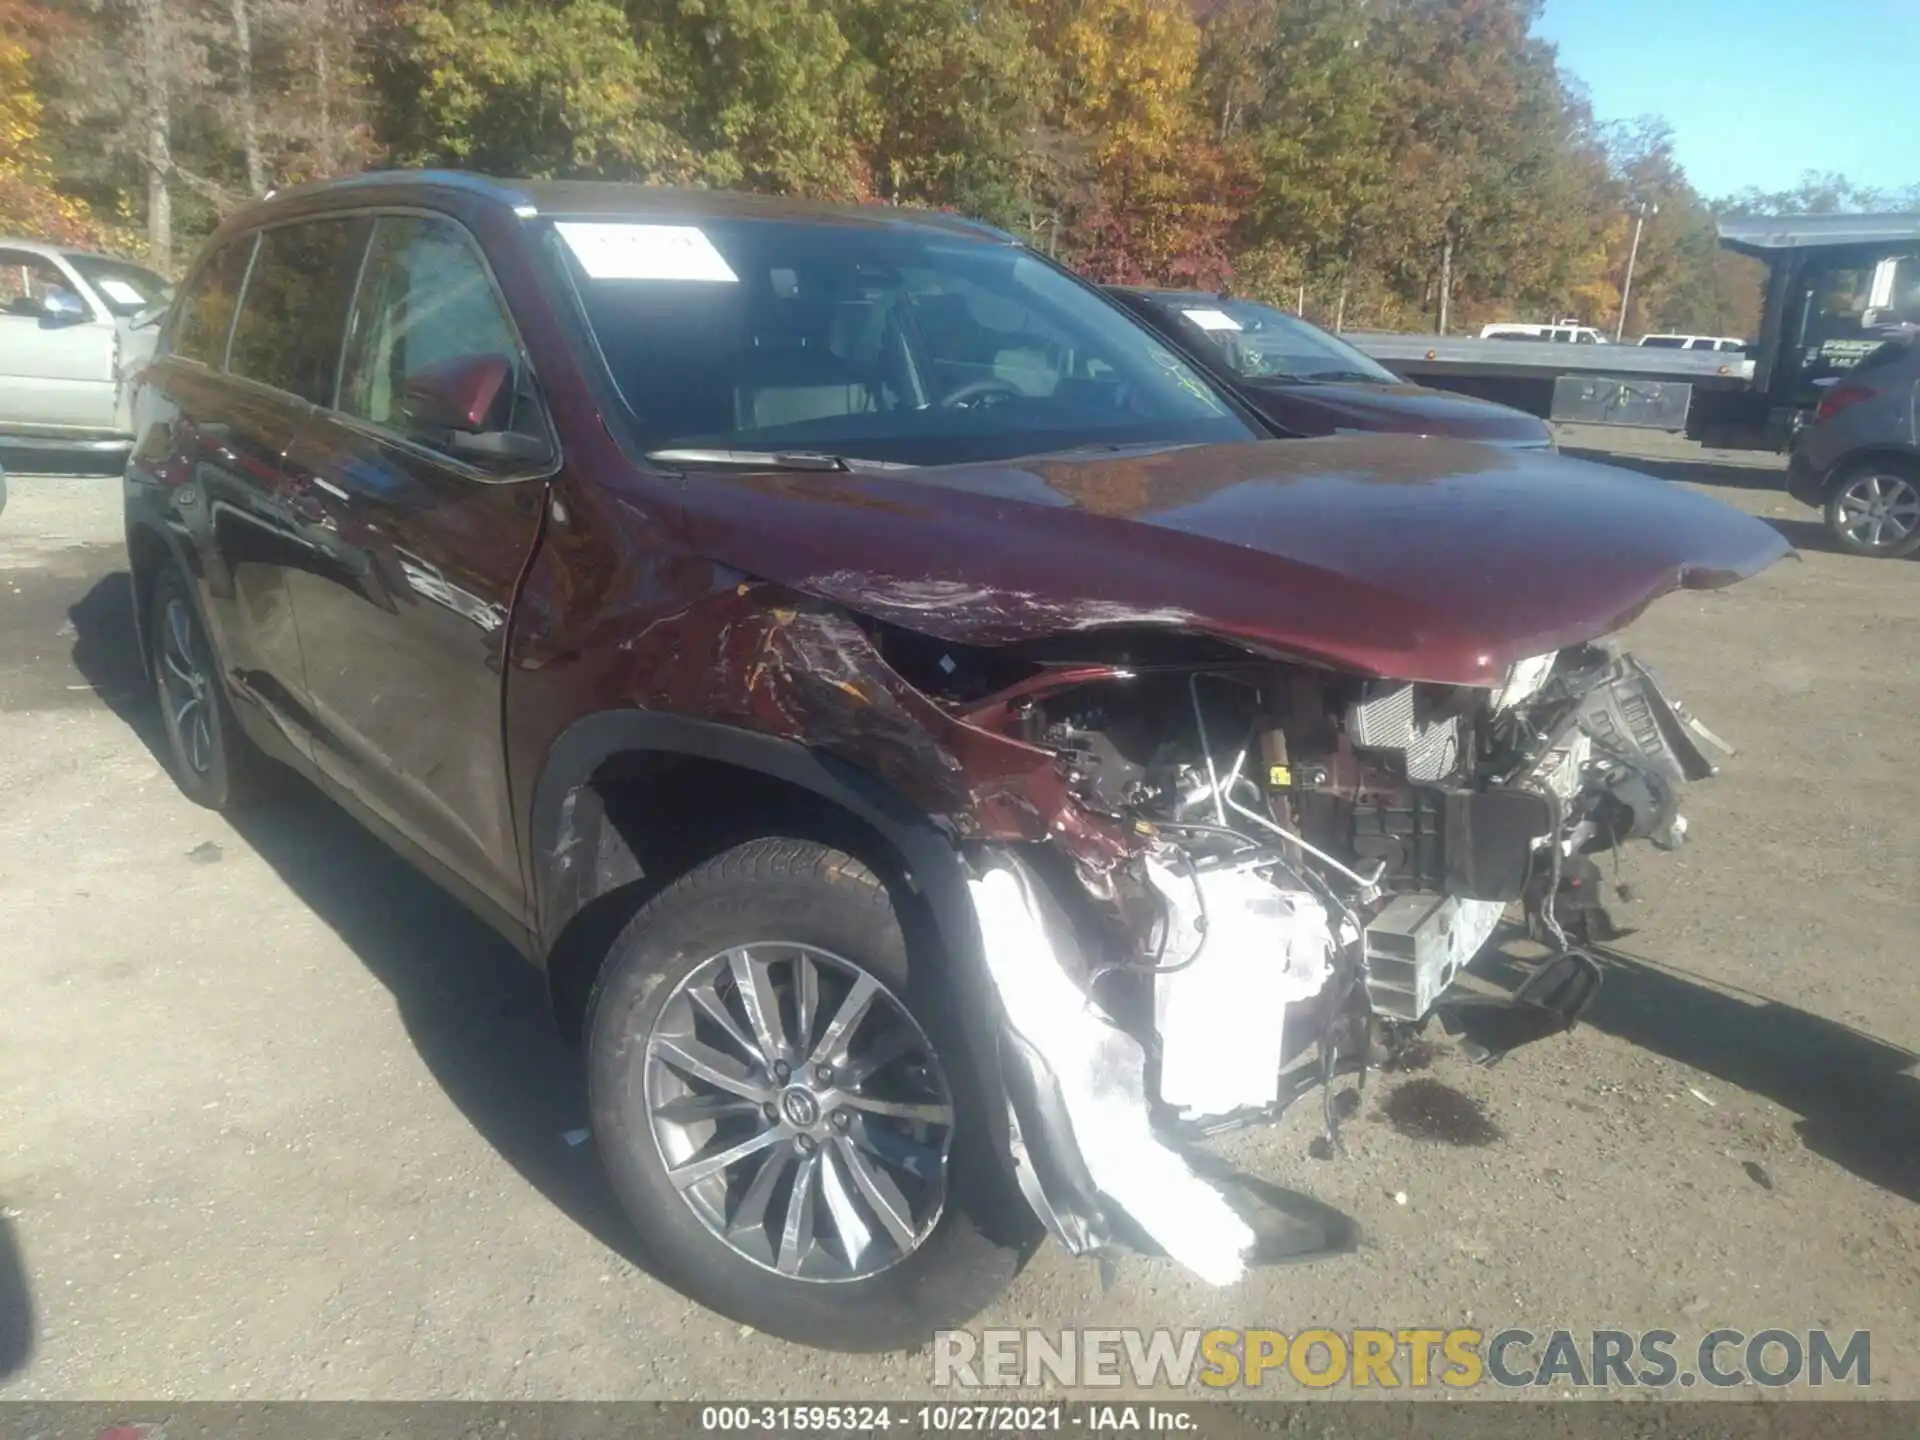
[1415,559]
[1403,409]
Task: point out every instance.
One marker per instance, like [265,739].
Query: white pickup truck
[1566,332]
[75,328]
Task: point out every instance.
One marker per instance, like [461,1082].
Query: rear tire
[212,761]
[878,1257]
[1873,509]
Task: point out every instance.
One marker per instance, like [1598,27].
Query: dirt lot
[280,1121]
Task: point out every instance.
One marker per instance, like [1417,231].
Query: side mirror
[459,395]
[63,307]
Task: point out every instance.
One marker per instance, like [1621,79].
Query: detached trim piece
[1099,1071]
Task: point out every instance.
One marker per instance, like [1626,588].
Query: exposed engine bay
[1372,832]
[1315,859]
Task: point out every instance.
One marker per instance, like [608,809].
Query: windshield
[876,343]
[1258,342]
[123,288]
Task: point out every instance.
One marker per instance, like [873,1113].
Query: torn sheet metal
[787,665]
[1100,1072]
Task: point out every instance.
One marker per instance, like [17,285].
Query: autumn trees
[180,110]
[32,201]
[1408,163]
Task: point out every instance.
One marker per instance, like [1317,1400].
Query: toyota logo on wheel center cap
[800,1108]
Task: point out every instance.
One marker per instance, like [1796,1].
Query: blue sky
[1756,91]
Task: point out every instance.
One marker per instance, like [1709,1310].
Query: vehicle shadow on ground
[1691,471]
[1810,533]
[1814,535]
[474,1009]
[16,1305]
[1857,1105]
[24,460]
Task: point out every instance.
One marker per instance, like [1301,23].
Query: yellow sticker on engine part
[1279,777]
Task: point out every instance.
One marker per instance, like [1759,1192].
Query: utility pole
[1640,213]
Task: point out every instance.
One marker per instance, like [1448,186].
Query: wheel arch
[149,551]
[1901,457]
[628,799]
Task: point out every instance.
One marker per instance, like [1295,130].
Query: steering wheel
[979,390]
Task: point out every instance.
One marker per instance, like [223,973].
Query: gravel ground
[282,1122]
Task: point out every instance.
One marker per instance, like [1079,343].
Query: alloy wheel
[800,1112]
[1877,511]
[186,691]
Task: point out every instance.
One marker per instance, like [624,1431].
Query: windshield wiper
[1360,375]
[814,460]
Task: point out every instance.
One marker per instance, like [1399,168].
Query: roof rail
[506,192]
[992,232]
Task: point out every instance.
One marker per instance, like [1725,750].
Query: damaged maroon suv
[943,760]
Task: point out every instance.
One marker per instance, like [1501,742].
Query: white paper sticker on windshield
[644,252]
[120,292]
[1212,319]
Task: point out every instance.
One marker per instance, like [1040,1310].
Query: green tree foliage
[1302,102]
[775,93]
[1381,162]
[31,200]
[526,87]
[956,89]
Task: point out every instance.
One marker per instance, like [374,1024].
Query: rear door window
[288,332]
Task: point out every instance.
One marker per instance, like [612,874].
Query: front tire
[783,1104]
[1874,509]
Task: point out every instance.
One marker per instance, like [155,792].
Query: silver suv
[75,327]
[1859,458]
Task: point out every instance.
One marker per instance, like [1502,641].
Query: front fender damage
[1034,855]
[800,668]
[1201,882]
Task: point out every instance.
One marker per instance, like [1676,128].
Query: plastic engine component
[1630,715]
[1253,950]
[1418,944]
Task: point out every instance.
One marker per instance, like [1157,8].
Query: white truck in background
[1838,288]
[75,328]
[1561,332]
[1721,343]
